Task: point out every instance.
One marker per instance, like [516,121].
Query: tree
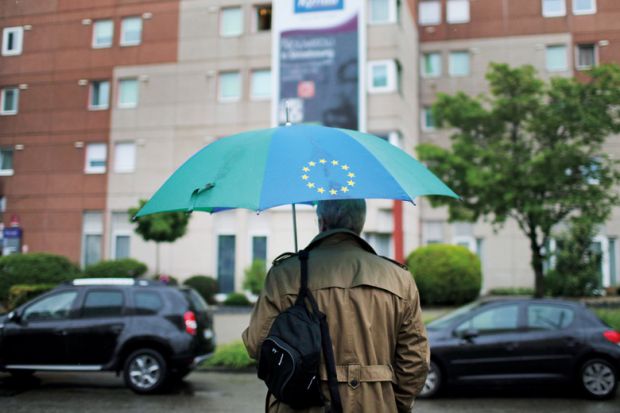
[163,227]
[530,151]
[255,276]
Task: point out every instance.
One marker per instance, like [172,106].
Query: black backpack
[290,356]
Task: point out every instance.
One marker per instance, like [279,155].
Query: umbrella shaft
[295,227]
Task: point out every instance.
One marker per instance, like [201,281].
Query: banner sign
[317,62]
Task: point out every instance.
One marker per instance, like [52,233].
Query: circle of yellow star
[310,184]
[351,183]
[333,191]
[345,167]
[334,162]
[304,177]
[311,163]
[306,169]
[322,161]
[344,189]
[351,175]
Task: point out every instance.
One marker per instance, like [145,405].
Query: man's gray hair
[347,213]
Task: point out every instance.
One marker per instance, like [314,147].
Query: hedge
[126,267]
[206,286]
[232,355]
[445,274]
[236,299]
[22,293]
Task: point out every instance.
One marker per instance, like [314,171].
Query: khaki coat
[373,310]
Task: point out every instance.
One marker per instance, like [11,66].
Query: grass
[232,355]
[610,316]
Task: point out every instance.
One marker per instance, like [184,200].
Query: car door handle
[61,332]
[512,346]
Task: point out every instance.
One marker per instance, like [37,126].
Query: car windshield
[446,320]
[196,300]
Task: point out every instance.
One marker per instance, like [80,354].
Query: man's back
[374,319]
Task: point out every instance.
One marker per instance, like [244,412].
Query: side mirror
[14,317]
[468,334]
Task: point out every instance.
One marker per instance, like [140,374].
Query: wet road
[240,393]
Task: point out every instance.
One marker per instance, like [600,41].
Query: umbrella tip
[134,218]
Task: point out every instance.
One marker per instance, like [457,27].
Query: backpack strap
[326,341]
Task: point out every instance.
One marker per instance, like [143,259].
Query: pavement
[244,393]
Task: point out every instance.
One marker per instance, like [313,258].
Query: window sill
[381,91]
[8,113]
[124,171]
[260,98]
[98,108]
[94,172]
[231,36]
[6,172]
[551,16]
[106,46]
[229,100]
[460,22]
[128,106]
[7,53]
[583,68]
[584,13]
[130,44]
[384,23]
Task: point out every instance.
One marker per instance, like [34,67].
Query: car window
[196,300]
[103,303]
[54,307]
[549,317]
[448,319]
[147,302]
[494,320]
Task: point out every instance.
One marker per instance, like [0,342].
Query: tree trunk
[537,265]
[157,260]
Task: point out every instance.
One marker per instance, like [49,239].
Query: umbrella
[293,164]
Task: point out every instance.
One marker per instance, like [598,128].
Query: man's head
[347,213]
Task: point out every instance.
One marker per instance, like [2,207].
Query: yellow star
[322,161]
[333,191]
[306,169]
[345,167]
[320,190]
[304,177]
[334,163]
[344,189]
[310,184]
[351,175]
[351,183]
[311,163]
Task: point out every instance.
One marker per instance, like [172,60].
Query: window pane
[431,64]
[55,307]
[459,63]
[128,93]
[458,11]
[146,303]
[263,18]
[12,41]
[556,58]
[586,56]
[230,85]
[9,100]
[261,83]
[122,247]
[6,159]
[124,157]
[547,317]
[100,94]
[131,31]
[259,248]
[379,76]
[92,249]
[231,22]
[226,263]
[494,320]
[428,121]
[103,33]
[102,304]
[554,8]
[379,11]
[96,157]
[584,6]
[430,12]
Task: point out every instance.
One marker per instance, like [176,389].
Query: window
[263,17]
[103,304]
[556,58]
[380,242]
[584,7]
[124,157]
[427,119]
[9,101]
[96,157]
[553,8]
[131,31]
[432,232]
[431,64]
[54,307]
[226,263]
[231,22]
[103,33]
[261,84]
[382,76]
[92,234]
[147,303]
[586,56]
[459,64]
[382,11]
[495,320]
[259,248]
[230,86]
[99,95]
[6,161]
[128,93]
[458,11]
[12,41]
[429,13]
[121,235]
[549,317]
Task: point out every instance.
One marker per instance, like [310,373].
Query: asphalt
[244,393]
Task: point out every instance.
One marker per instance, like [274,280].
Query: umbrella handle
[194,196]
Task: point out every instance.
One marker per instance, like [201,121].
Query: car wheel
[598,379]
[433,382]
[145,371]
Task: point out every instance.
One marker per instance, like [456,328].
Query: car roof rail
[113,281]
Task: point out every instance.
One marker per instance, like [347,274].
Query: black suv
[151,332]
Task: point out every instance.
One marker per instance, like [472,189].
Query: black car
[523,340]
[151,332]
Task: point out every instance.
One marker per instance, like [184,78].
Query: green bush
[445,274]
[610,316]
[126,267]
[22,293]
[236,299]
[205,285]
[34,268]
[232,355]
[255,277]
[512,291]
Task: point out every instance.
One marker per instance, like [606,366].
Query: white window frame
[255,97]
[121,170]
[221,22]
[119,233]
[565,68]
[94,43]
[3,96]
[95,169]
[90,231]
[428,22]
[90,96]
[391,73]
[591,10]
[461,20]
[464,239]
[553,14]
[6,172]
[227,99]
[423,125]
[392,14]
[18,32]
[422,66]
[580,68]
[450,65]
[131,105]
[124,42]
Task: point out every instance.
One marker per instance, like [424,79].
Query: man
[372,307]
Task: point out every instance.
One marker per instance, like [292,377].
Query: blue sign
[13,232]
[307,6]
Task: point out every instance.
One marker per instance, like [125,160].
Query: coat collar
[338,235]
